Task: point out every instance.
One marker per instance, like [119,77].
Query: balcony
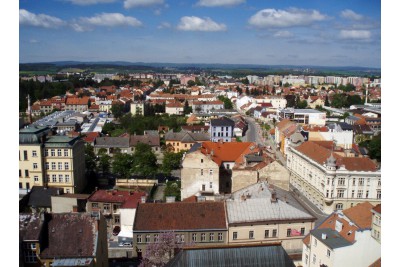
[328,201]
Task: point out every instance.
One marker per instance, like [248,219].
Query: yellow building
[54,161]
[183,140]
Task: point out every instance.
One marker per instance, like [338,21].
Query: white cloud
[164,25]
[39,20]
[355,34]
[90,2]
[105,20]
[141,3]
[198,24]
[214,3]
[349,14]
[283,34]
[272,18]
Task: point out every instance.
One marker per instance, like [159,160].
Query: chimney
[273,196]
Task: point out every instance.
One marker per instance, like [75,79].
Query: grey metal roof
[61,141]
[333,238]
[256,256]
[223,121]
[253,204]
[40,196]
[72,262]
[32,134]
[186,137]
[111,142]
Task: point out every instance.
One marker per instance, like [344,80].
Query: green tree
[354,100]
[171,161]
[122,165]
[117,110]
[227,102]
[302,104]
[90,158]
[191,83]
[173,188]
[245,81]
[104,163]
[186,108]
[144,160]
[326,101]
[374,147]
[339,101]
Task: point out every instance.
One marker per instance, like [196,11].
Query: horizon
[288,32]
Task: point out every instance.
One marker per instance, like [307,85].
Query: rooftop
[333,238]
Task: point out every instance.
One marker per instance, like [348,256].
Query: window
[34,153]
[27,186]
[147,238]
[274,233]
[379,182]
[314,259]
[59,152]
[266,233]
[340,193]
[328,181]
[220,238]
[378,194]
[288,232]
[36,179]
[20,185]
[366,194]
[67,191]
[203,237]
[360,181]
[139,238]
[20,173]
[341,181]
[67,178]
[29,255]
[306,259]
[47,178]
[54,178]
[53,153]
[360,194]
[234,235]
[60,165]
[211,172]
[352,193]
[194,237]
[251,234]
[327,193]
[65,152]
[47,165]
[26,173]
[368,181]
[66,165]
[106,207]
[333,181]
[53,165]
[201,160]
[302,231]
[328,253]
[25,155]
[46,152]
[210,184]
[201,172]
[354,181]
[203,187]
[211,236]
[116,219]
[156,237]
[339,206]
[315,242]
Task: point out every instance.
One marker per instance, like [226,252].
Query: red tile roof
[360,214]
[377,208]
[126,198]
[229,151]
[180,216]
[77,101]
[320,154]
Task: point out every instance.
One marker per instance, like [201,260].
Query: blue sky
[270,32]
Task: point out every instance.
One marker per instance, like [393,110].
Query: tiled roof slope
[180,216]
[128,199]
[71,235]
[360,214]
[320,154]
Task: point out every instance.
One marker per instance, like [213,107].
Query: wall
[243,178]
[191,177]
[63,204]
[275,174]
[28,165]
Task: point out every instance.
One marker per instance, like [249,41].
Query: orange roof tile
[229,151]
[360,214]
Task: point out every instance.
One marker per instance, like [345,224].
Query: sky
[269,32]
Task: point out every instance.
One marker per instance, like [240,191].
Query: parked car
[125,244]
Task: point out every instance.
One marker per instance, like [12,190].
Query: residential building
[202,223]
[261,213]
[51,161]
[330,180]
[283,130]
[184,140]
[213,168]
[62,239]
[113,145]
[303,116]
[137,108]
[376,223]
[40,198]
[69,203]
[151,138]
[207,106]
[221,129]
[174,108]
[233,255]
[114,205]
[343,239]
[77,104]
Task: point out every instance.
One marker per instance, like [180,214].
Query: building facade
[221,129]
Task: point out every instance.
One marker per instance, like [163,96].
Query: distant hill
[235,69]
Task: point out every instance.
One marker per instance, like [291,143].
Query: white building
[332,181]
[303,116]
[221,129]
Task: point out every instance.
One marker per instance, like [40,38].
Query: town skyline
[232,31]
